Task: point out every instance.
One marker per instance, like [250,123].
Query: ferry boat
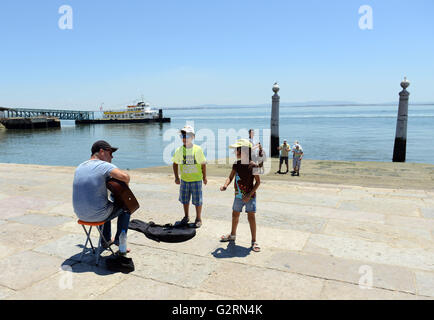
[140,111]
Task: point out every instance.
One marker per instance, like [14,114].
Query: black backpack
[164,233]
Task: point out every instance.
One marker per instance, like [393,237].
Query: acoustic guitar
[123,195]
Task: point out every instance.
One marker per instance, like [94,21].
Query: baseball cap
[101,144]
[188,129]
[241,143]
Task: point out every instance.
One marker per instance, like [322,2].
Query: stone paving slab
[425,283]
[384,206]
[79,281]
[17,206]
[398,237]
[5,292]
[344,291]
[136,288]
[340,214]
[294,221]
[23,236]
[428,213]
[259,283]
[23,269]
[69,246]
[172,267]
[40,220]
[410,222]
[376,252]
[344,270]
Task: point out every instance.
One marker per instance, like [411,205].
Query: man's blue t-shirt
[89,192]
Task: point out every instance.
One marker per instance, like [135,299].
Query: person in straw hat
[246,184]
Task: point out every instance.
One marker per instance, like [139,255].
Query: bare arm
[205,181]
[255,187]
[228,180]
[175,172]
[120,175]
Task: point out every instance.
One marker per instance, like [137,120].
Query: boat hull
[96,121]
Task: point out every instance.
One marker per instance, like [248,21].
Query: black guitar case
[164,233]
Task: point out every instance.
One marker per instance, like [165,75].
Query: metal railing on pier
[60,114]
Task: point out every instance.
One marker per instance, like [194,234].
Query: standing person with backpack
[245,191]
[192,161]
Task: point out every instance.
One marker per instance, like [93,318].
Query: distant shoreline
[418,176]
[356,173]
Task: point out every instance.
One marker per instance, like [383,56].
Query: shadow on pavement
[231,251]
[88,264]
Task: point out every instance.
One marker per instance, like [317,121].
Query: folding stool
[100,248]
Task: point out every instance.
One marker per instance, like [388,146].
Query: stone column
[399,150]
[275,122]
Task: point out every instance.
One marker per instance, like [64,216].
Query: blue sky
[189,52]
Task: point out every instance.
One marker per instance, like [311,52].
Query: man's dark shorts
[284,158]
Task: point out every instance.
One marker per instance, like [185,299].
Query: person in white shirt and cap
[297,155]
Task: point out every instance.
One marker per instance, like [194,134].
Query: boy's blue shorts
[191,190]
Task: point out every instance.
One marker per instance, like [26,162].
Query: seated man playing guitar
[90,197]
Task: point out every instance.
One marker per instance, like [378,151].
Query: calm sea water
[355,133]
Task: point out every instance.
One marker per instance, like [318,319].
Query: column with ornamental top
[399,150]
[274,143]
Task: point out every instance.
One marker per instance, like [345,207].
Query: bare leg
[235,219]
[252,223]
[198,213]
[186,207]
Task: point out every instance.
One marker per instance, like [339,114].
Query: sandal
[227,238]
[255,247]
[184,222]
[198,223]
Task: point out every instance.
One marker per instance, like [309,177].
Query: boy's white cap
[188,129]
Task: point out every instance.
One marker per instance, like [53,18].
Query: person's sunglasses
[183,136]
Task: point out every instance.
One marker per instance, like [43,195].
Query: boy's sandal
[255,247]
[198,223]
[227,238]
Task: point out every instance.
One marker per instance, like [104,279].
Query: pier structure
[59,114]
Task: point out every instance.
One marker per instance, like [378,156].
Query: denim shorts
[239,204]
[191,190]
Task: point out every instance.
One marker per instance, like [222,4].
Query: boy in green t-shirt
[192,161]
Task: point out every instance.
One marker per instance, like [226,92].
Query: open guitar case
[164,233]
